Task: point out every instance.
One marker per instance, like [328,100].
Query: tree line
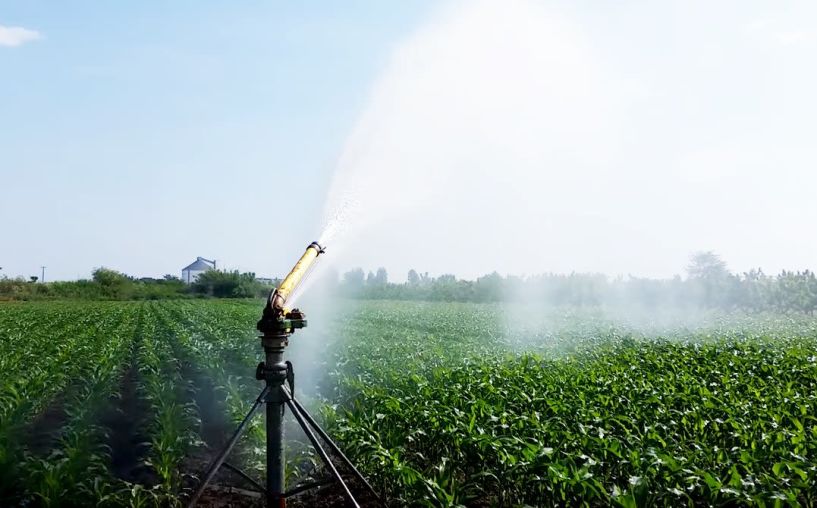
[708,284]
[107,284]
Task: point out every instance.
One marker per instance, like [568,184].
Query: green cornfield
[439,404]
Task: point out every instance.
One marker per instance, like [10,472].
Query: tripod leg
[222,456]
[335,448]
[326,460]
[249,479]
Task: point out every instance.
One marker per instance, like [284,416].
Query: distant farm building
[196,268]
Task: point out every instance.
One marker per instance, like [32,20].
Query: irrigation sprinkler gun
[276,325]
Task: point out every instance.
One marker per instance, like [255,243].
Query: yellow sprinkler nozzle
[295,276]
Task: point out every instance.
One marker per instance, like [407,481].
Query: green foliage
[595,414]
[108,278]
[709,286]
[107,284]
[440,404]
[707,266]
[172,419]
[353,280]
[48,351]
[229,284]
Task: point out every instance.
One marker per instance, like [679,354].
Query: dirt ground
[330,496]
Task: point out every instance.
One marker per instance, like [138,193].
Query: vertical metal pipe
[274,355]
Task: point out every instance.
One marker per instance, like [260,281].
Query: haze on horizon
[517,136]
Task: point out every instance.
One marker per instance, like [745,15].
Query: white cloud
[13,36]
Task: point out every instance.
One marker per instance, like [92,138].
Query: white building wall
[190,276]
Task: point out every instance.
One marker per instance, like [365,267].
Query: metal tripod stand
[278,394]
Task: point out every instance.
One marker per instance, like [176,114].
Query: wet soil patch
[215,430]
[332,494]
[223,494]
[42,434]
[125,425]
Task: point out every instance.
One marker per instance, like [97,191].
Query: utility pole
[42,279]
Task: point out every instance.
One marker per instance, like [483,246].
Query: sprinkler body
[276,325]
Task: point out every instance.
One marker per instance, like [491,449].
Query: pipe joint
[275,373]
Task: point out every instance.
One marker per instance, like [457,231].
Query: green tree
[381,278]
[112,284]
[228,284]
[706,266]
[353,280]
[711,281]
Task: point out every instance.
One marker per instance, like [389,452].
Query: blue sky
[138,135]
